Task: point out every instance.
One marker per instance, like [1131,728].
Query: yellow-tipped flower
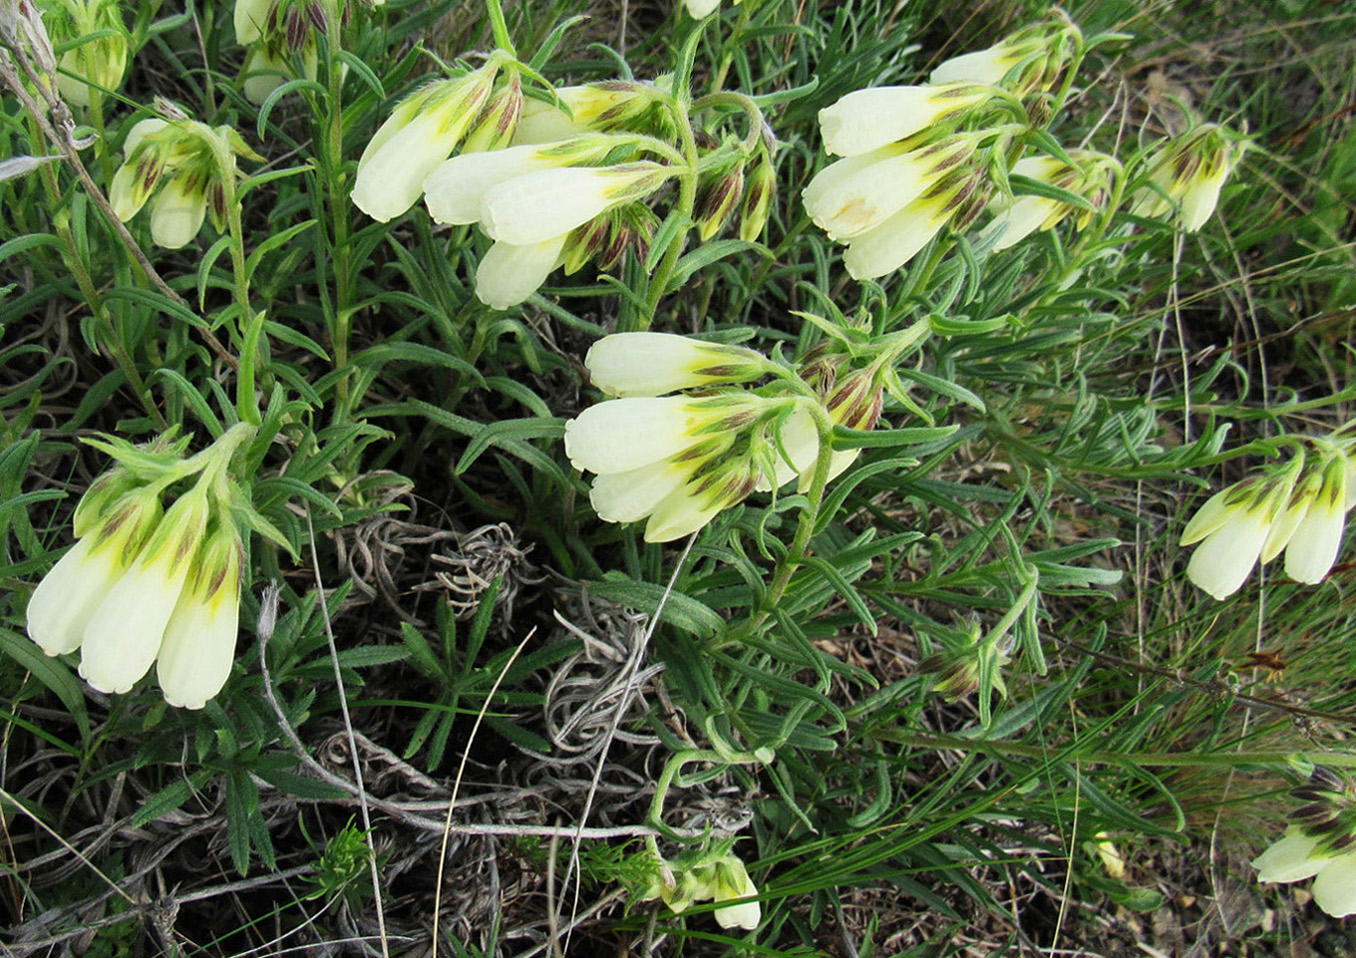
[654,364]
[732,882]
[421,132]
[612,105]
[189,163]
[1299,856]
[1301,510]
[140,587]
[529,200]
[1021,216]
[1187,174]
[98,63]
[199,643]
[111,532]
[123,638]
[1029,61]
[867,120]
[677,460]
[276,32]
[888,203]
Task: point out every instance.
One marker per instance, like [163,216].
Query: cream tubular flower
[509,273]
[199,646]
[858,194]
[1311,549]
[653,364]
[124,636]
[670,458]
[1187,175]
[885,248]
[419,134]
[1298,856]
[867,120]
[177,213]
[542,205]
[987,66]
[700,9]
[732,882]
[67,597]
[455,188]
[1232,527]
[1335,887]
[1027,214]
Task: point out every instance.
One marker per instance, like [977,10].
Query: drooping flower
[867,120]
[141,587]
[606,107]
[189,162]
[655,364]
[1019,217]
[1186,175]
[1031,60]
[67,598]
[534,202]
[97,63]
[676,460]
[1298,856]
[732,882]
[419,134]
[1300,509]
[123,638]
[199,643]
[888,203]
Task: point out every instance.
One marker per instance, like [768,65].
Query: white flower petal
[866,120]
[251,16]
[632,495]
[896,241]
[537,206]
[66,598]
[392,178]
[1026,215]
[508,274]
[652,364]
[176,214]
[680,513]
[986,66]
[1200,197]
[699,9]
[1335,887]
[1312,548]
[199,648]
[122,639]
[1221,562]
[624,434]
[455,188]
[866,197]
[1289,859]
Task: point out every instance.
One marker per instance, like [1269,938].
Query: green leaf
[51,672]
[680,611]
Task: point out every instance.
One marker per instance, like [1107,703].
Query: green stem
[687,201]
[500,27]
[1008,749]
[336,189]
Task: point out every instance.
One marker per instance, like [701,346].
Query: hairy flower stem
[800,544]
[340,212]
[687,201]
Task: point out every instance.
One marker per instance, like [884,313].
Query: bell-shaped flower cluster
[186,165]
[682,443]
[557,178]
[1185,176]
[917,159]
[1299,508]
[542,203]
[1320,844]
[279,34]
[422,132]
[716,875]
[675,460]
[145,585]
[98,63]
[1087,177]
